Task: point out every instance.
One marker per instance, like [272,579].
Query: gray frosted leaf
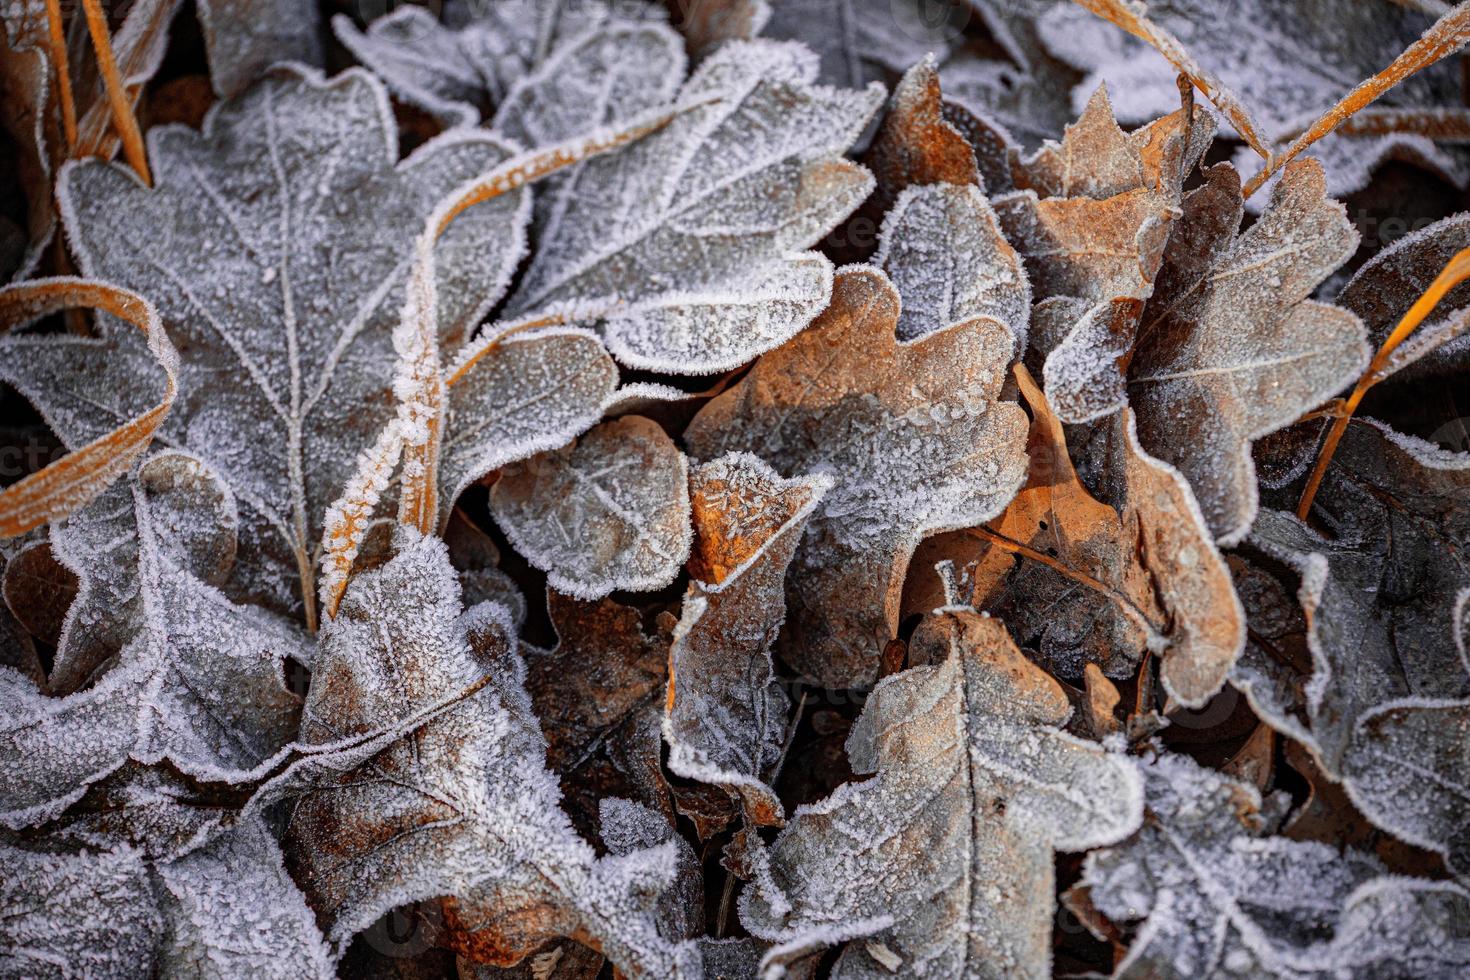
[947,852]
[627,827]
[861,41]
[454,800]
[275,245]
[610,511]
[724,192]
[200,685]
[65,915]
[245,37]
[510,399]
[1220,896]
[915,437]
[1388,703]
[1240,351]
[1402,927]
[232,910]
[195,520]
[725,717]
[942,247]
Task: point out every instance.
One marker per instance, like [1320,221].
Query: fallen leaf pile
[735,489]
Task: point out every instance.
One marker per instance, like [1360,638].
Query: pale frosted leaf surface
[1382,291]
[724,192]
[1279,62]
[915,437]
[725,719]
[460,804]
[194,516]
[1220,896]
[245,37]
[233,911]
[65,915]
[1241,351]
[627,827]
[599,696]
[610,511]
[942,247]
[1402,927]
[511,399]
[200,684]
[952,839]
[1387,706]
[275,246]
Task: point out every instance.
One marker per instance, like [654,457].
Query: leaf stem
[117,92]
[1456,271]
[56,37]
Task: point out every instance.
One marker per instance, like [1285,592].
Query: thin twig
[117,92]
[56,37]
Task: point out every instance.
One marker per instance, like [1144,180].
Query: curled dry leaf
[916,144]
[915,436]
[106,449]
[1104,582]
[287,350]
[1387,704]
[1221,897]
[610,511]
[751,172]
[947,852]
[457,800]
[725,720]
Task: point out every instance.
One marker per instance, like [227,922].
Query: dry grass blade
[56,48]
[1455,272]
[1448,34]
[1132,16]
[71,482]
[117,92]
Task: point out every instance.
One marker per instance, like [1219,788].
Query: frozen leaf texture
[458,802]
[725,192]
[1102,581]
[1275,65]
[726,716]
[195,521]
[609,512]
[1234,350]
[943,250]
[916,144]
[860,41]
[599,696]
[1224,898]
[76,915]
[245,37]
[949,846]
[1386,707]
[200,685]
[289,224]
[915,437]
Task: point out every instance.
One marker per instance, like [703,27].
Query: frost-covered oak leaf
[275,245]
[915,436]
[457,802]
[1220,897]
[610,511]
[200,684]
[725,720]
[1232,350]
[916,144]
[1387,706]
[728,193]
[242,38]
[947,852]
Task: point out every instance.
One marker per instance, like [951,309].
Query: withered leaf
[1388,702]
[725,720]
[1224,898]
[610,511]
[287,355]
[458,803]
[752,171]
[916,144]
[1234,351]
[915,436]
[946,853]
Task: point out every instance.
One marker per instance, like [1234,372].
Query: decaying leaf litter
[756,488]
